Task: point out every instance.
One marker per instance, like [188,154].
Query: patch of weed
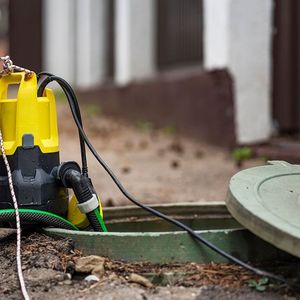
[169,130]
[145,126]
[241,154]
[260,285]
[93,109]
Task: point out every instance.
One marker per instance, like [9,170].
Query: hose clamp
[89,205]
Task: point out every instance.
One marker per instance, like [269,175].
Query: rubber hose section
[92,217]
[36,216]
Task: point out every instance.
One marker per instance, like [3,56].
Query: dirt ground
[50,273]
[155,165]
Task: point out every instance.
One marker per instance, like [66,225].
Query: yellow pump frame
[27,113]
[30,114]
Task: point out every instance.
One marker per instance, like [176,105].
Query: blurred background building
[225,71]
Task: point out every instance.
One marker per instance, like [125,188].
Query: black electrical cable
[95,219]
[77,110]
[70,93]
[84,165]
[39,75]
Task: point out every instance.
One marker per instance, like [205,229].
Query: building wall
[134,40]
[75,40]
[59,55]
[91,42]
[238,36]
[216,33]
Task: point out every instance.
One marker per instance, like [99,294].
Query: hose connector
[90,205]
[69,174]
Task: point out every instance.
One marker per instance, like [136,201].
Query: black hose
[93,219]
[77,112]
[39,75]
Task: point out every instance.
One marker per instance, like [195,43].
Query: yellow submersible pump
[30,137]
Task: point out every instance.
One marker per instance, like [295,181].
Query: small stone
[113,276]
[46,289]
[6,232]
[70,267]
[125,170]
[176,147]
[199,154]
[161,152]
[110,202]
[67,276]
[143,144]
[60,277]
[140,280]
[128,145]
[91,278]
[98,270]
[87,264]
[175,164]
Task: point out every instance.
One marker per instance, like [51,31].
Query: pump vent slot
[12,90]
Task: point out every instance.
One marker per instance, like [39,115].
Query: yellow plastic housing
[76,217]
[27,114]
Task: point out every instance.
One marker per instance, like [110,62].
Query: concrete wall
[91,42]
[75,40]
[59,53]
[238,36]
[134,40]
[216,33]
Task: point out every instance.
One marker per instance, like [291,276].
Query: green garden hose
[43,218]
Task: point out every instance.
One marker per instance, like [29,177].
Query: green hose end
[37,216]
[100,219]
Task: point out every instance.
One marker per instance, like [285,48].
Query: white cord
[9,67]
[13,195]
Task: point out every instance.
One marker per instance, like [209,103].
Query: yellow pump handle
[27,114]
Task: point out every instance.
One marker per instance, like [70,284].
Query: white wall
[238,35]
[91,42]
[134,40]
[75,40]
[216,33]
[59,38]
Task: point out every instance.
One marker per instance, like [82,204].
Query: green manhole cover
[135,235]
[266,200]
